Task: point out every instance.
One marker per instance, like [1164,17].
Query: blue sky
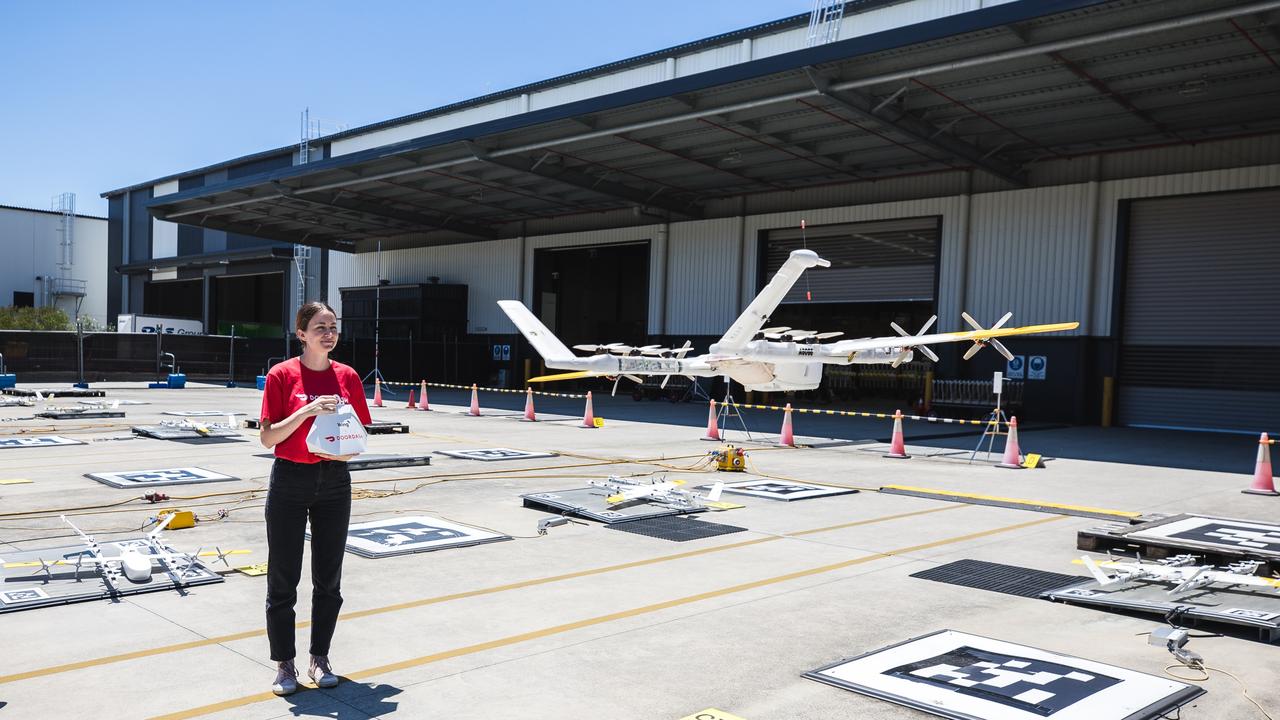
[101,95]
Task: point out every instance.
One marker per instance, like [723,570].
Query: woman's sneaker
[286,679]
[320,672]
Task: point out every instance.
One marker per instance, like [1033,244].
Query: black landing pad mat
[386,427]
[76,414]
[675,527]
[55,392]
[375,462]
[997,577]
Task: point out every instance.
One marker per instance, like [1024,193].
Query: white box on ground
[338,433]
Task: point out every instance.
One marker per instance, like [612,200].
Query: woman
[306,485]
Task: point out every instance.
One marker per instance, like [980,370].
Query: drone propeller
[44,568]
[678,353]
[618,379]
[979,344]
[906,349]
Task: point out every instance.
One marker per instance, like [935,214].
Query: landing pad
[785,490]
[21,590]
[78,413]
[589,502]
[168,432]
[158,478]
[26,441]
[492,454]
[1254,608]
[414,534]
[961,676]
[375,462]
[1219,540]
[54,392]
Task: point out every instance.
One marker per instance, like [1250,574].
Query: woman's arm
[272,434]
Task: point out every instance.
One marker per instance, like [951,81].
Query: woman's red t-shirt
[290,385]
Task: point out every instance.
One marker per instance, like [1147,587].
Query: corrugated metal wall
[703,272]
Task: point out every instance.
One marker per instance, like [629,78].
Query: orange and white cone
[1263,484]
[787,438]
[377,392]
[1012,459]
[897,446]
[475,402]
[588,417]
[528,406]
[422,401]
[411,404]
[713,431]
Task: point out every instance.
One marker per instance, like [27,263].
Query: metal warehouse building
[1114,162]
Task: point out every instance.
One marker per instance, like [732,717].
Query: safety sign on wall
[1016,368]
[1035,367]
[501,352]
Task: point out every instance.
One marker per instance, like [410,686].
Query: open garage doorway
[594,294]
[254,304]
[174,298]
[881,272]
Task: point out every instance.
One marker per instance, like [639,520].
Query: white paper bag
[339,433]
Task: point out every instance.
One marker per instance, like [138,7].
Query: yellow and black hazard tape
[855,413]
[415,386]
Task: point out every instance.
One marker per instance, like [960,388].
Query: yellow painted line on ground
[611,617]
[1014,501]
[219,639]
[15,481]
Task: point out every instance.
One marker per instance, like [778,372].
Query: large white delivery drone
[759,358]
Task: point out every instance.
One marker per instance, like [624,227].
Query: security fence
[99,356]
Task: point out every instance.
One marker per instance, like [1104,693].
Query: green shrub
[31,318]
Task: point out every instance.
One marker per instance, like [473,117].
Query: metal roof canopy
[992,90]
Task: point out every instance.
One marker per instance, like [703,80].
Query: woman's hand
[335,458]
[323,405]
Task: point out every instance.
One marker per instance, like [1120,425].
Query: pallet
[377,427]
[1145,539]
[77,414]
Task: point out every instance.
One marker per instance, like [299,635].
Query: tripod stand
[729,408]
[376,373]
[994,420]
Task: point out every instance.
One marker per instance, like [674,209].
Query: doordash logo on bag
[343,423]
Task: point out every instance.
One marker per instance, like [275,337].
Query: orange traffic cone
[787,438]
[588,417]
[422,402]
[1262,480]
[713,431]
[528,406]
[411,404]
[475,402]
[897,447]
[1012,459]
[377,392]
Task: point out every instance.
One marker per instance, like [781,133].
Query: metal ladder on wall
[301,254]
[824,22]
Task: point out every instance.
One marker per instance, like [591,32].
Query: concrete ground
[585,622]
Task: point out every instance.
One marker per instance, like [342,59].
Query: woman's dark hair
[308,311]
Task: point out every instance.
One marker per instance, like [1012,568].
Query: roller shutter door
[1201,314]
[882,261]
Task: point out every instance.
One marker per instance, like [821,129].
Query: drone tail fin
[1104,580]
[716,491]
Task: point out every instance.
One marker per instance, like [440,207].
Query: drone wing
[844,347]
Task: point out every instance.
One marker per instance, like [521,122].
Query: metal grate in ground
[997,577]
[677,528]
